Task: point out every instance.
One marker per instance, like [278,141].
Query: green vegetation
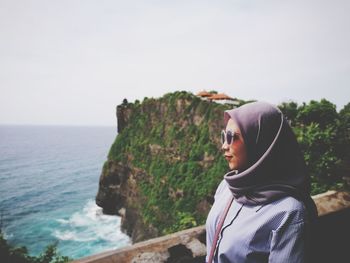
[168,124]
[323,135]
[175,140]
[11,254]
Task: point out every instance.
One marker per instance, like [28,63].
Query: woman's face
[235,153]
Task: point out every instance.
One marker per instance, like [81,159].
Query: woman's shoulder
[289,203]
[221,188]
[287,211]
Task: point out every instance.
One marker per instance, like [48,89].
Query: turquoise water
[48,182]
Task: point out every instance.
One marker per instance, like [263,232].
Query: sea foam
[90,224]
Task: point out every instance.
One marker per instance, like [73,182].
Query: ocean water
[48,182]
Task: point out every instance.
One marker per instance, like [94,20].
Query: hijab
[276,167]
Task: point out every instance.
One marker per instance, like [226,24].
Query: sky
[72,62]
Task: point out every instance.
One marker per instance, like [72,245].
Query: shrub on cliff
[12,254]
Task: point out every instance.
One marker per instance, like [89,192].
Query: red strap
[218,229]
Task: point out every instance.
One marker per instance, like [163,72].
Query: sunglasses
[229,136]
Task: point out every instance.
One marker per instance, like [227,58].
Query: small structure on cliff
[204,94]
[217,97]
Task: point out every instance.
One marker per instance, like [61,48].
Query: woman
[264,200]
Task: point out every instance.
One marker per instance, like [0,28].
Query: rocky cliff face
[119,194]
[164,165]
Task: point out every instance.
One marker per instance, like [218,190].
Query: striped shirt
[275,232]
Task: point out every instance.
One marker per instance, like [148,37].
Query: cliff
[164,166]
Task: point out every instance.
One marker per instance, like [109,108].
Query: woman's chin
[232,167]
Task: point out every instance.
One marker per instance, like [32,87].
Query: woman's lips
[228,157]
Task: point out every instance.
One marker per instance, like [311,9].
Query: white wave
[64,235]
[62,221]
[7,236]
[71,235]
[90,224]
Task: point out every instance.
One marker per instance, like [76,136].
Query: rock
[198,249]
[150,257]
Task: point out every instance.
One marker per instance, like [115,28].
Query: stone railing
[330,239]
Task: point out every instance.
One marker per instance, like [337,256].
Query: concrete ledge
[189,245]
[156,248]
[331,201]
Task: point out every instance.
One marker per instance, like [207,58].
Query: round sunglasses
[229,136]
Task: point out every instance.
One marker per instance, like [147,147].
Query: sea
[49,178]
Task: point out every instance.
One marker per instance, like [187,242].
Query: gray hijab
[276,166]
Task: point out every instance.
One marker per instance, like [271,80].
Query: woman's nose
[224,146]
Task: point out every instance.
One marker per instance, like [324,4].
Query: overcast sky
[71,62]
